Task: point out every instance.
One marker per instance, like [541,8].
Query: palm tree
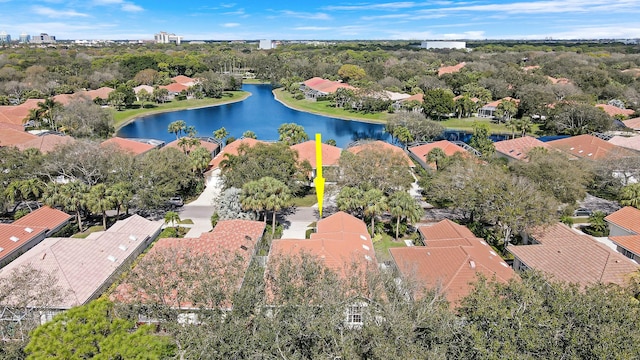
[177,127]
[221,133]
[74,198]
[99,201]
[121,193]
[436,155]
[506,109]
[200,158]
[351,200]
[525,124]
[173,218]
[186,143]
[26,191]
[514,126]
[253,198]
[375,203]
[249,135]
[278,198]
[630,195]
[403,205]
[48,109]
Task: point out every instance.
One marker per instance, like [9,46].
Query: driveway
[201,209]
[296,223]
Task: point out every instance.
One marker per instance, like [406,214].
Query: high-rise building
[266,44]
[4,38]
[24,38]
[443,45]
[43,38]
[166,38]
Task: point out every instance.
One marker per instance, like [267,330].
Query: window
[354,315]
[627,253]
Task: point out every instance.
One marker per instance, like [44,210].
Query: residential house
[450,261]
[18,114]
[147,88]
[184,80]
[628,142]
[134,147]
[46,142]
[420,152]
[230,243]
[101,93]
[317,87]
[12,137]
[232,149]
[208,143]
[84,268]
[632,123]
[342,243]
[518,148]
[567,256]
[624,231]
[379,145]
[590,147]
[28,231]
[451,69]
[402,103]
[489,110]
[307,151]
[175,89]
[615,111]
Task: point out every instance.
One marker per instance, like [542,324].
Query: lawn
[84,234]
[306,201]
[324,108]
[120,118]
[382,245]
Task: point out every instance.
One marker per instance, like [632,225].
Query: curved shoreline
[369,121]
[161,111]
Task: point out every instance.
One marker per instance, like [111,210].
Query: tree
[121,193]
[249,135]
[81,118]
[349,72]
[160,95]
[144,96]
[221,133]
[227,206]
[186,143]
[24,191]
[375,168]
[200,158]
[292,134]
[351,200]
[436,156]
[505,110]
[404,206]
[48,111]
[374,203]
[74,198]
[412,126]
[145,77]
[464,106]
[480,140]
[172,218]
[575,119]
[117,99]
[630,195]
[438,103]
[99,201]
[252,198]
[266,194]
[177,127]
[92,331]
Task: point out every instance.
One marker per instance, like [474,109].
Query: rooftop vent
[571,148]
[248,238]
[367,257]
[504,264]
[483,243]
[122,247]
[580,152]
[14,239]
[244,247]
[1,249]
[28,229]
[363,237]
[493,253]
[589,154]
[472,264]
[133,238]
[365,247]
[111,258]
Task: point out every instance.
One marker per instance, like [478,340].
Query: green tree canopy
[292,134]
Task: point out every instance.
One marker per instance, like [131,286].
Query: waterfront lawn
[466,124]
[120,118]
[324,108]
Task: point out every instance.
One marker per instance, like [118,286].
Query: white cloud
[230,25]
[52,13]
[130,7]
[124,5]
[313,28]
[304,15]
[545,7]
[368,6]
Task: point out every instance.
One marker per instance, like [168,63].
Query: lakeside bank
[123,118]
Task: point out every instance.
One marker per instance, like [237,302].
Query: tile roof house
[232,149]
[378,145]
[175,88]
[489,110]
[46,142]
[132,146]
[624,231]
[590,147]
[420,152]
[450,261]
[147,88]
[316,87]
[568,256]
[632,123]
[11,137]
[86,267]
[210,145]
[631,142]
[229,241]
[614,110]
[518,148]
[184,80]
[559,81]
[101,93]
[17,115]
[307,151]
[451,69]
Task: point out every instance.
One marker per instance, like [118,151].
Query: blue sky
[322,20]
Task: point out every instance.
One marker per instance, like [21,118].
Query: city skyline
[334,20]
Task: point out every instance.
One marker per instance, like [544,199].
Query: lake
[260,113]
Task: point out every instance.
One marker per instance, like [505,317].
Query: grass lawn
[382,245]
[324,108]
[255,81]
[84,234]
[121,118]
[467,125]
[186,221]
[306,201]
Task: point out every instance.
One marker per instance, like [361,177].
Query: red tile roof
[518,148]
[559,81]
[448,147]
[496,103]
[46,142]
[13,237]
[44,217]
[633,123]
[629,242]
[325,86]
[627,218]
[232,149]
[614,110]
[132,146]
[451,260]
[559,234]
[11,137]
[175,87]
[16,115]
[450,69]
[590,147]
[102,93]
[11,126]
[307,151]
[184,80]
[419,97]
[205,144]
[378,145]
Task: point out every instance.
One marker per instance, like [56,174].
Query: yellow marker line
[319,180]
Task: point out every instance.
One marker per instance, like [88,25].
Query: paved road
[201,209]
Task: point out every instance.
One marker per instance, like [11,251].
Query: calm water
[260,113]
